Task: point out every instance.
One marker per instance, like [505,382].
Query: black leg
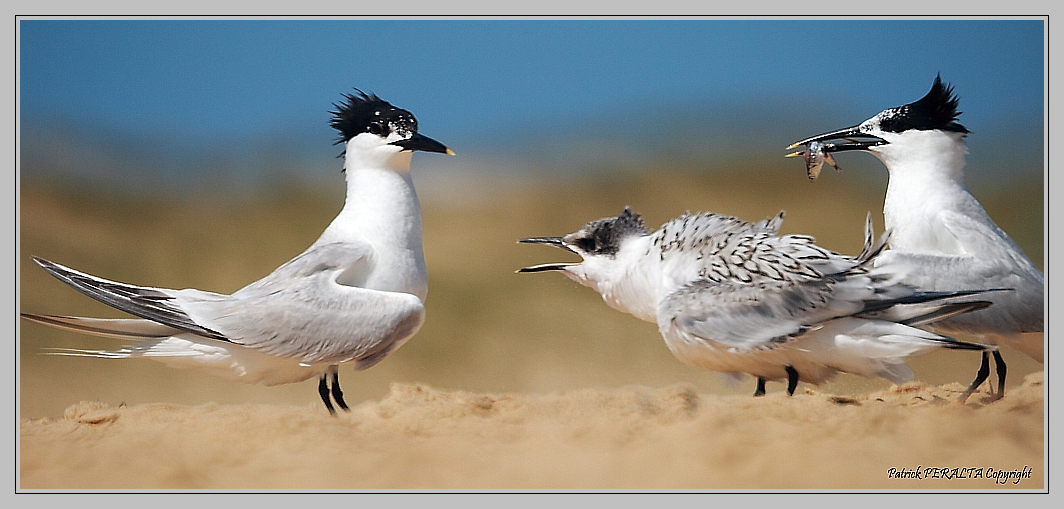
[1001,370]
[323,391]
[760,391]
[792,380]
[980,377]
[338,395]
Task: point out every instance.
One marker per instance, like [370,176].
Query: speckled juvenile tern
[734,297]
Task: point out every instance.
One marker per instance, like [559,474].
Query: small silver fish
[815,156]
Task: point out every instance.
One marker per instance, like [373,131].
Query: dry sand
[629,438]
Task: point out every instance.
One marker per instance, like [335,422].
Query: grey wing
[1020,310]
[755,289]
[319,321]
[749,316]
[301,311]
[988,241]
[993,261]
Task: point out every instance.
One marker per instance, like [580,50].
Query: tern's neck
[926,158]
[382,210]
[926,177]
[633,284]
[382,201]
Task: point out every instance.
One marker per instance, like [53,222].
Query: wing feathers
[151,303]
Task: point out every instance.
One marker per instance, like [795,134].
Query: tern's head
[374,130]
[599,243]
[916,130]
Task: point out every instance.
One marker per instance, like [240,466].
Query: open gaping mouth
[551,241]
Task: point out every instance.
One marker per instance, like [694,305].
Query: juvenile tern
[735,297]
[354,296]
[941,231]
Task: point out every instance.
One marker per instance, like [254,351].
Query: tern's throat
[382,210]
[925,158]
[628,282]
[926,177]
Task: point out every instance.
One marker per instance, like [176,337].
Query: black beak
[545,267]
[552,241]
[424,144]
[846,140]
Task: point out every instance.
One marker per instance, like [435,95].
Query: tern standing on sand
[941,230]
[354,296]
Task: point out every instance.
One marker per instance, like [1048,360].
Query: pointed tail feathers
[956,344]
[944,312]
[118,328]
[150,303]
[924,308]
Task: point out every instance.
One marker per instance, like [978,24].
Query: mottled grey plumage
[736,297]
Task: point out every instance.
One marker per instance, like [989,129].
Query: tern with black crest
[942,231]
[354,296]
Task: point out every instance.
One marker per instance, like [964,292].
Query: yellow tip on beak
[450,152]
[794,154]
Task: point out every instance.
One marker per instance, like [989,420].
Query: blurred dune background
[135,183]
[488,328]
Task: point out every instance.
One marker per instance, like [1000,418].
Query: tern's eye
[895,120]
[890,125]
[586,244]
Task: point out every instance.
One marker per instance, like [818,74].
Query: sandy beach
[912,437]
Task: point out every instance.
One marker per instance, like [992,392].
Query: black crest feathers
[367,113]
[936,110]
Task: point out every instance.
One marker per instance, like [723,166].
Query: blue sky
[472,83]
